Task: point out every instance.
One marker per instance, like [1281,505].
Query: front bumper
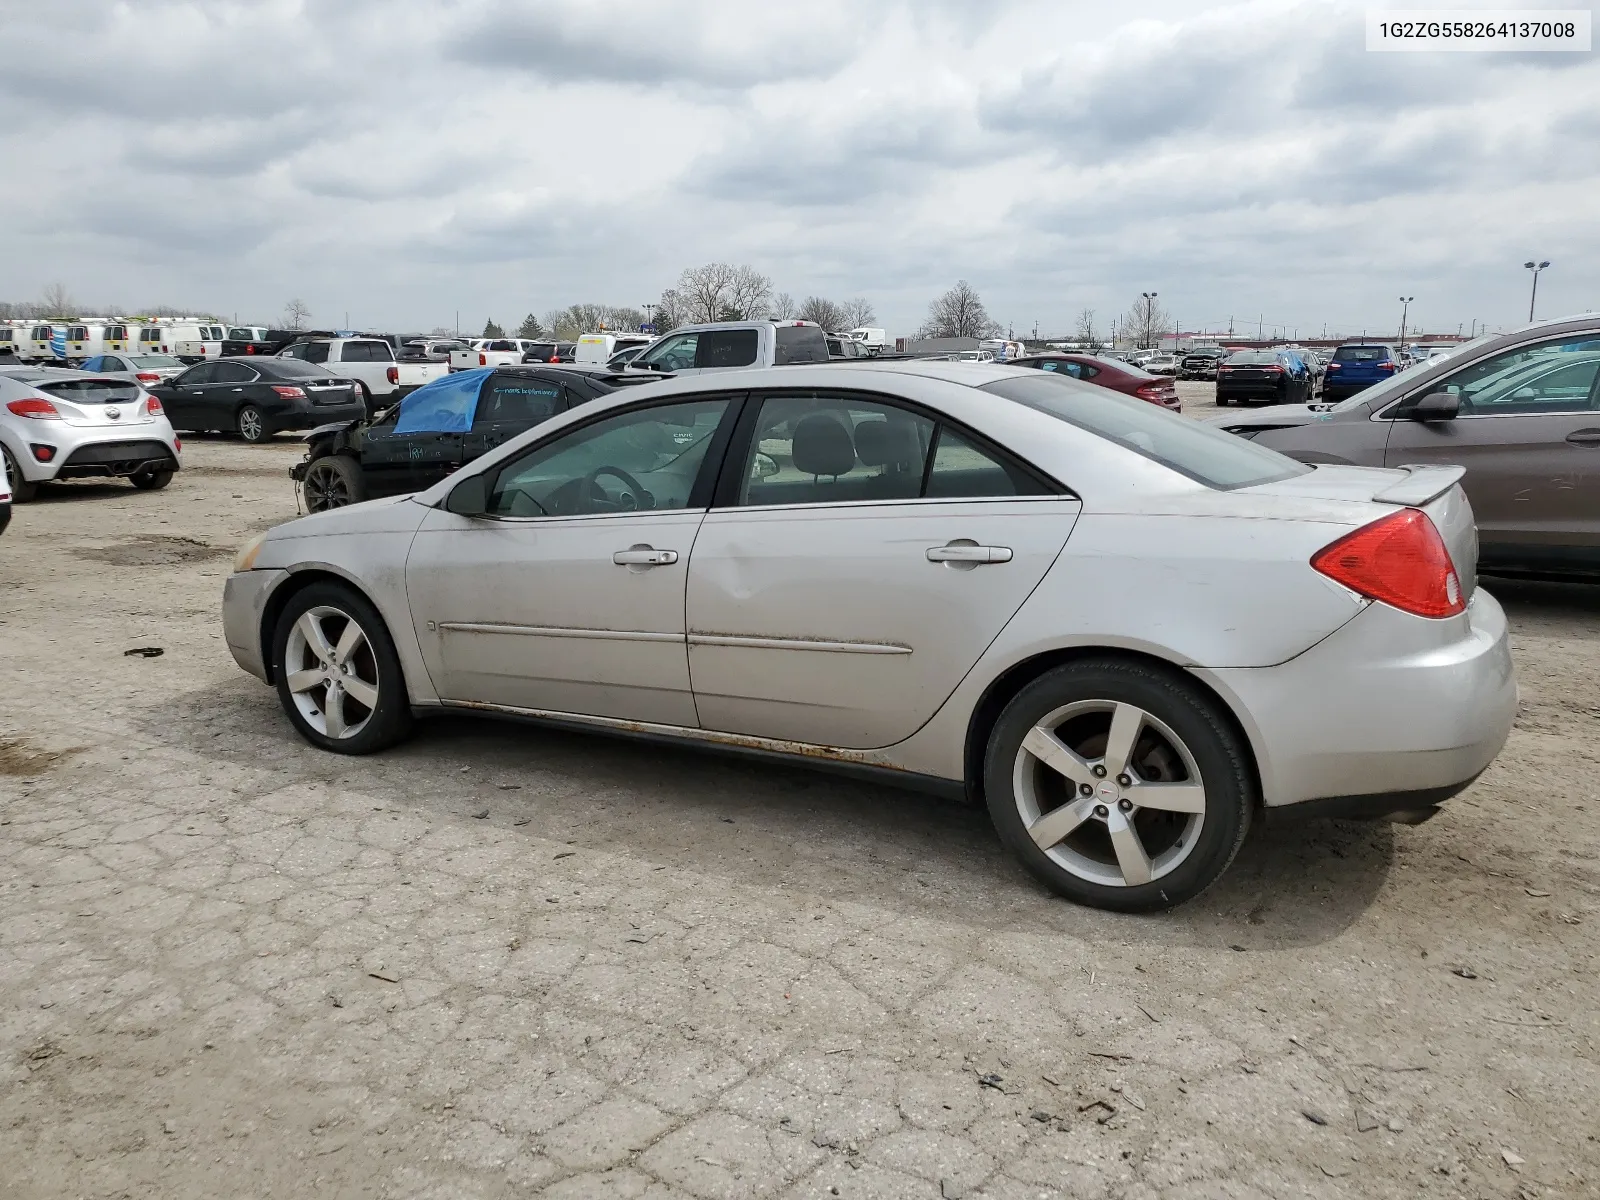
[244,605]
[1392,712]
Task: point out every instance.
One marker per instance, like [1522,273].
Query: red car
[1112,373]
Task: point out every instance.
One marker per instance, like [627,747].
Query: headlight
[245,560]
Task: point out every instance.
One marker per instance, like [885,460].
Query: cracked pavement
[231,964]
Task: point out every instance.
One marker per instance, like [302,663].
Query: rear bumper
[244,602]
[117,458]
[1390,713]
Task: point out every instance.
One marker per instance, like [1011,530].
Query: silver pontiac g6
[1124,632]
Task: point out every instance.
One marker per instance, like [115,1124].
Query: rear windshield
[92,391]
[1361,354]
[154,360]
[1249,358]
[293,368]
[1206,455]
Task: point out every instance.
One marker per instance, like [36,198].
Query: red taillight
[1386,366]
[249,349]
[483,360]
[42,453]
[177,443]
[152,406]
[555,358]
[288,392]
[148,377]
[1400,560]
[1333,366]
[39,410]
[1273,370]
[394,374]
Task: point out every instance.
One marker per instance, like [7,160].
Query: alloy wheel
[325,488]
[1109,792]
[250,425]
[331,672]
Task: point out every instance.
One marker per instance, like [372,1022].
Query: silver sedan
[145,370]
[1124,632]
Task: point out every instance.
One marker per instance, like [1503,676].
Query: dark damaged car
[441,426]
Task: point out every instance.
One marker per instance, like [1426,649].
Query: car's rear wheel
[1119,785]
[252,426]
[151,480]
[22,491]
[333,481]
[338,675]
[1222,401]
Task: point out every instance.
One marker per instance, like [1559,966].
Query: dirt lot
[504,962]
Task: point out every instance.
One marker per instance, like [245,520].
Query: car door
[566,594]
[229,388]
[186,397]
[422,438]
[1528,432]
[509,405]
[860,558]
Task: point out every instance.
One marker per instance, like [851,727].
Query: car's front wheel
[1119,784]
[333,481]
[338,675]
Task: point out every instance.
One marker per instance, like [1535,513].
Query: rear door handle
[1584,437]
[644,556]
[968,552]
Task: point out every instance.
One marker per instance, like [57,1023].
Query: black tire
[251,425]
[1223,402]
[22,490]
[384,723]
[333,481]
[151,481]
[1190,852]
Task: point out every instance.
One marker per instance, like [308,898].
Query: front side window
[95,364]
[1557,376]
[313,352]
[506,400]
[196,375]
[643,460]
[819,449]
[1202,453]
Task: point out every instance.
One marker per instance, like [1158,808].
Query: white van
[877,339]
[96,336]
[205,341]
[599,347]
[37,342]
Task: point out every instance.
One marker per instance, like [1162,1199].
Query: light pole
[1405,305]
[1149,311]
[649,313]
[1535,268]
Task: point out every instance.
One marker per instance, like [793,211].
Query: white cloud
[403,160]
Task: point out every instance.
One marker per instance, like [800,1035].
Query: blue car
[1355,367]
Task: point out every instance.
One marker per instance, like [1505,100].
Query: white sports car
[1123,631]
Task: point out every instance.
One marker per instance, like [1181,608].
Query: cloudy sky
[401,161]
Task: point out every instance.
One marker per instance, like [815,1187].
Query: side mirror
[1437,406]
[764,467]
[469,498]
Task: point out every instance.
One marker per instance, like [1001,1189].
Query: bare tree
[441,331]
[1085,328]
[671,311]
[295,314]
[1146,322]
[823,311]
[706,291]
[958,313]
[750,293]
[782,307]
[58,301]
[857,312]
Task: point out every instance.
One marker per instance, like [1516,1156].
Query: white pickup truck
[491,352]
[728,345]
[371,363]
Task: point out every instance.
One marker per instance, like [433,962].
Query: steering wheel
[633,499]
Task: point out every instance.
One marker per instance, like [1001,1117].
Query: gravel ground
[499,961]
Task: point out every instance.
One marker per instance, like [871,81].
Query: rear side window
[1206,455]
[231,372]
[731,348]
[507,400]
[366,352]
[800,344]
[1361,354]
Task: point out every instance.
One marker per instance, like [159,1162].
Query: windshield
[1206,455]
[154,360]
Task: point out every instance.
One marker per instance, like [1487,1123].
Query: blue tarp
[443,406]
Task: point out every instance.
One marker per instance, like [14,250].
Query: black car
[1263,377]
[441,425]
[550,352]
[1201,363]
[257,397]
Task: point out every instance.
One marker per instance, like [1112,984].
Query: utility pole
[1535,268]
[1260,326]
[458,322]
[1149,311]
[1405,306]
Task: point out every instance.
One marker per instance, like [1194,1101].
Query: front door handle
[644,556]
[1584,437]
[964,551]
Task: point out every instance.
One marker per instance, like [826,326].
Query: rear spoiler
[1424,483]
